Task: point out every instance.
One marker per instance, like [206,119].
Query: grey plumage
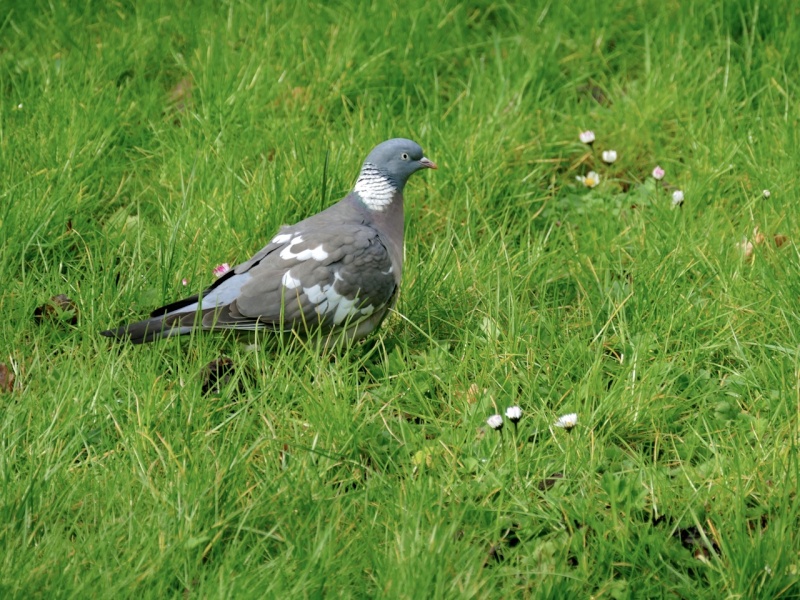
[337,271]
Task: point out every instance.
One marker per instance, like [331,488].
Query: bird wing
[319,277]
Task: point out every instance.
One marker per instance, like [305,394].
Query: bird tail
[154,328]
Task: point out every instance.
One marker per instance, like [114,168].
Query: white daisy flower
[587,137]
[766,194]
[513,413]
[677,198]
[495,422]
[567,421]
[590,180]
[658,173]
[609,156]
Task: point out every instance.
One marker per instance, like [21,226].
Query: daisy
[220,270]
[658,173]
[513,413]
[587,137]
[590,180]
[495,422]
[609,156]
[567,421]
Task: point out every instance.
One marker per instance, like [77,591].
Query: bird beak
[425,162]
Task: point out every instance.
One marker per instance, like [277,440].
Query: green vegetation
[145,142]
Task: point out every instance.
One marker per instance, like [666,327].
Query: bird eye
[404,156]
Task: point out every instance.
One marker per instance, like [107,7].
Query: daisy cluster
[514,414]
[592,179]
[609,157]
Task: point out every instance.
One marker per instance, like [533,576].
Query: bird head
[397,159]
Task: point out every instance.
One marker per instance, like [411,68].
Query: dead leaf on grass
[58,308]
[6,378]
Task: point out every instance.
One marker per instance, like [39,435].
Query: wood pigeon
[337,271]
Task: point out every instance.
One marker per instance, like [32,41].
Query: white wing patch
[282,238]
[344,309]
[327,301]
[317,253]
[290,282]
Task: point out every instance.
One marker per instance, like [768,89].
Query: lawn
[142,143]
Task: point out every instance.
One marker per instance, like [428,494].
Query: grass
[142,143]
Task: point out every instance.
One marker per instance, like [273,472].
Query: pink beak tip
[428,163]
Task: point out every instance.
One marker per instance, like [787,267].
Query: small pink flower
[220,270]
[184,282]
[658,173]
[587,137]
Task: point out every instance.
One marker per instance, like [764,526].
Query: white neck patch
[375,189]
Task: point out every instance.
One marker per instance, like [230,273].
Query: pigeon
[337,272]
